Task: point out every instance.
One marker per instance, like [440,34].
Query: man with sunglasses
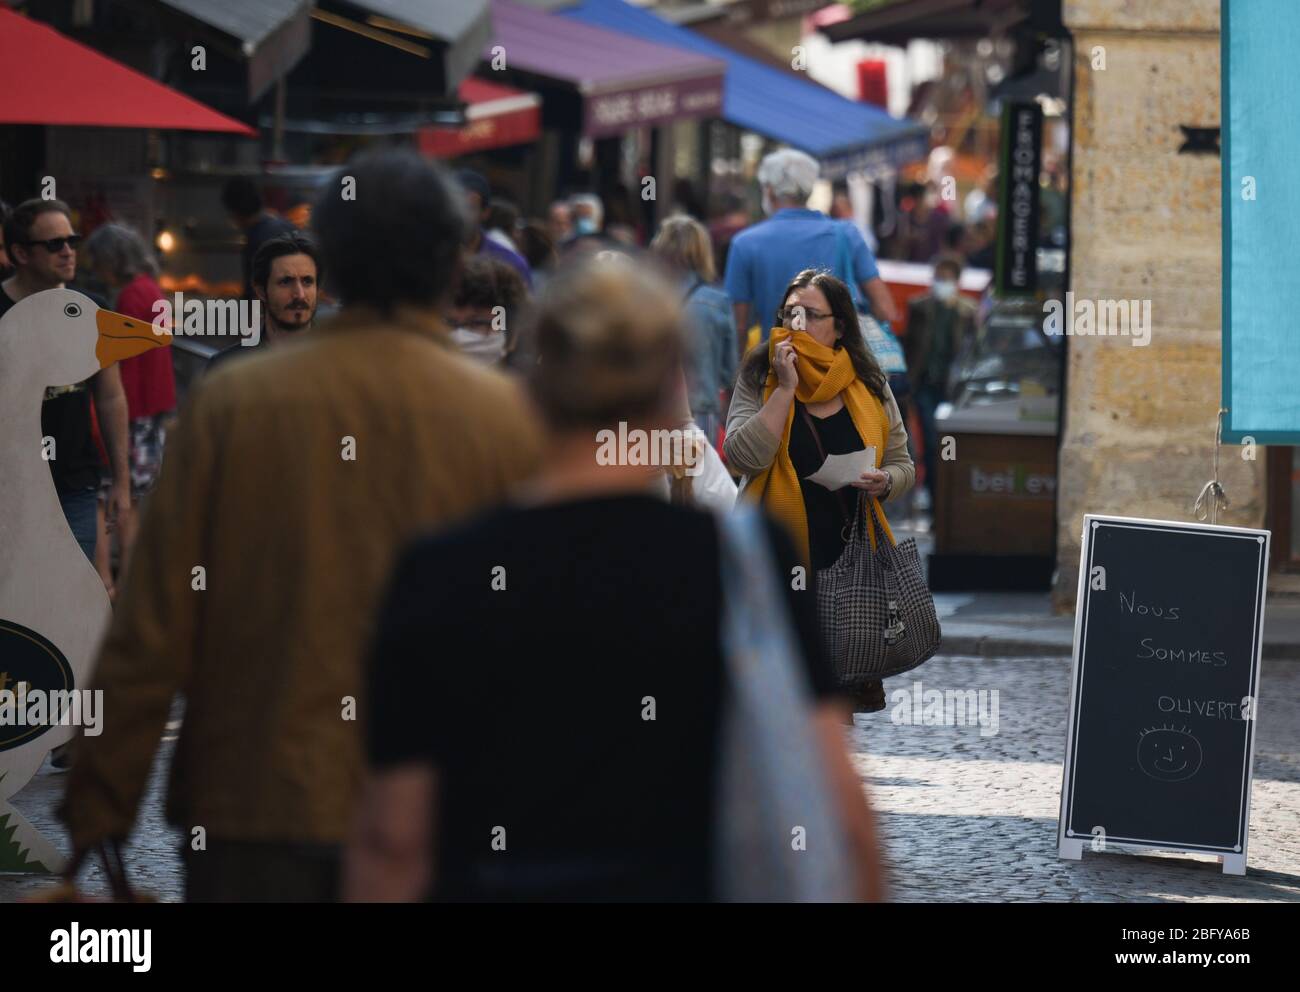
[43,250]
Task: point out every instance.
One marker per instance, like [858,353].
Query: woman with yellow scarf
[813,389]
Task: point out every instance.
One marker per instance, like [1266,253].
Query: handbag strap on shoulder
[850,521]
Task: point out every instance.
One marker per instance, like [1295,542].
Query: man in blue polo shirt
[764,258]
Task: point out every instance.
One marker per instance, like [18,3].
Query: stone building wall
[1139,421]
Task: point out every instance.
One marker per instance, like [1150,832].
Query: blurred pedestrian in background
[981,244]
[940,325]
[604,802]
[764,258]
[559,222]
[123,261]
[287,276]
[291,483]
[710,361]
[589,237]
[728,217]
[927,224]
[478,200]
[243,202]
[981,202]
[43,248]
[813,390]
[538,247]
[501,223]
[486,310]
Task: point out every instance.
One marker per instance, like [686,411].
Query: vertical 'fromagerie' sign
[1164,693]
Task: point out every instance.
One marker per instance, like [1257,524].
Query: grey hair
[122,251]
[593,201]
[791,174]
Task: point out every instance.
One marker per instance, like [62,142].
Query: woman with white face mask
[485,308]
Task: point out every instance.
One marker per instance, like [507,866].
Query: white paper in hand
[839,470]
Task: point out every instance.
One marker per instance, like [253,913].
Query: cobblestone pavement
[971,818]
[153,858]
[964,817]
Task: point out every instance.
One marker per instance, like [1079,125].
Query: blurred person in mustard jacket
[293,478]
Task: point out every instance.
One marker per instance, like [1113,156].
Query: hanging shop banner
[1261,295]
[1020,159]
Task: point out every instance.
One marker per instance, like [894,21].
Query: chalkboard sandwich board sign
[1164,689]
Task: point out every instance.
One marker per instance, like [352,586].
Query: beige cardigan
[750,447]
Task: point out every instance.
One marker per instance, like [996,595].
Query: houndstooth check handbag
[874,606]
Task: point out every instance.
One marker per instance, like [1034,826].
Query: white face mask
[945,290]
[487,348]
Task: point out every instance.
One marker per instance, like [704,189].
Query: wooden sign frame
[1071,842]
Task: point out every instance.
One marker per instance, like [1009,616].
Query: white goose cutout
[53,606]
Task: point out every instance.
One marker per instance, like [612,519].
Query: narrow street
[965,817]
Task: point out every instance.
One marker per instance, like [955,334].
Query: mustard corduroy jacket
[288,488]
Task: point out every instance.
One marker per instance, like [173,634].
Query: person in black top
[243,201]
[515,657]
[827,509]
[42,246]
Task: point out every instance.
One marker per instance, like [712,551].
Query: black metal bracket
[1199,140]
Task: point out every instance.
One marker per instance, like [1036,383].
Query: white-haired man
[588,219]
[764,258]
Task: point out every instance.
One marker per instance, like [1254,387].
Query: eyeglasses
[789,315]
[55,245]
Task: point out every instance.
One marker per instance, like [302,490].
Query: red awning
[495,116]
[46,78]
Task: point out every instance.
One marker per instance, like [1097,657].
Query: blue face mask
[584,225]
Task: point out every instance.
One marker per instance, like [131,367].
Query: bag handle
[884,547]
[110,853]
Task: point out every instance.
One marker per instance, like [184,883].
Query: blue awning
[844,135]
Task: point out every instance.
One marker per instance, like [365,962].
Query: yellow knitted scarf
[824,373]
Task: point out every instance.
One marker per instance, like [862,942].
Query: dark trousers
[79,508]
[927,398]
[257,871]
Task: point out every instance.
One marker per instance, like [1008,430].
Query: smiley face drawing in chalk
[1169,754]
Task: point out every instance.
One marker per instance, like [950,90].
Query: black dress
[825,508]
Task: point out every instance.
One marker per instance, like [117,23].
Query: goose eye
[72,310]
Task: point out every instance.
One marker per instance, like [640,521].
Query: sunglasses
[55,245]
